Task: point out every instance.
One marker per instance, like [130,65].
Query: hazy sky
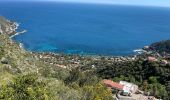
[126,2]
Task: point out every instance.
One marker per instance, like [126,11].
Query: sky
[162,3]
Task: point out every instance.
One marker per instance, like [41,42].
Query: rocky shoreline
[10,28]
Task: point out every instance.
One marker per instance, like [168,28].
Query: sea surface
[87,29]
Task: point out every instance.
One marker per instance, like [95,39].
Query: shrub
[24,87]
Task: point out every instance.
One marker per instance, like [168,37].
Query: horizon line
[92,3]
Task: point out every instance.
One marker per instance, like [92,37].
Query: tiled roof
[112,84]
[152,59]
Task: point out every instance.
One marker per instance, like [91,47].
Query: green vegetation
[163,46]
[18,80]
[42,76]
[24,87]
[138,72]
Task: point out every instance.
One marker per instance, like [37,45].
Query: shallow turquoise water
[87,29]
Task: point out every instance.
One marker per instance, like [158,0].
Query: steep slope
[31,76]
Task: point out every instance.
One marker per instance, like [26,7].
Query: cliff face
[7,27]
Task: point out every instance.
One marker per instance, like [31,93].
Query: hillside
[37,78]
[47,76]
[162,46]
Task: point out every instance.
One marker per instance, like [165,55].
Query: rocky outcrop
[8,27]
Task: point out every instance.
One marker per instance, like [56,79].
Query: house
[113,85]
[126,91]
[146,47]
[152,58]
[123,86]
[128,88]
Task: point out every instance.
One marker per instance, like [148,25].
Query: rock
[4,60]
[7,26]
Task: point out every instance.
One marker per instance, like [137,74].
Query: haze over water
[87,29]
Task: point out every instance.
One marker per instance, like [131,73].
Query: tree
[96,92]
[75,75]
[153,80]
[145,86]
[168,88]
[24,87]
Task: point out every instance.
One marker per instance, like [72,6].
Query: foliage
[81,78]
[163,46]
[80,83]
[157,89]
[156,74]
[89,85]
[96,92]
[24,87]
[60,74]
[59,91]
[1,51]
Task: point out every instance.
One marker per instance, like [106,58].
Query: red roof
[152,59]
[112,84]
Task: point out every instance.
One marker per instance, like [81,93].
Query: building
[113,85]
[128,88]
[152,58]
[126,91]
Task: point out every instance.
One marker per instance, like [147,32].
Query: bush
[96,92]
[24,87]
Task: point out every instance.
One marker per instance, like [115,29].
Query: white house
[129,87]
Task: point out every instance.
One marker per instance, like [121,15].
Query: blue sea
[87,29]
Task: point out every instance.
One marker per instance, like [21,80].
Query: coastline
[14,26]
[55,53]
[130,56]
